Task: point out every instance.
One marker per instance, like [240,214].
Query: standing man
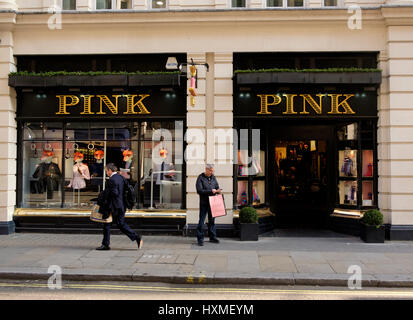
[113,197]
[206,185]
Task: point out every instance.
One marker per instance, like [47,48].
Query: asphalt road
[39,290]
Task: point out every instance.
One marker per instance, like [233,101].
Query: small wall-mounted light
[172,63]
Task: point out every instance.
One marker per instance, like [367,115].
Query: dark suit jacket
[111,199]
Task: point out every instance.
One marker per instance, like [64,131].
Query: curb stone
[339,280]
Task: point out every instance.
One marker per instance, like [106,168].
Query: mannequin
[96,169]
[80,173]
[348,167]
[48,173]
[127,158]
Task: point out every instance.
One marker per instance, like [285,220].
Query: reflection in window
[348,132]
[42,130]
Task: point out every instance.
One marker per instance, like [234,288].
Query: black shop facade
[307,146]
[70,127]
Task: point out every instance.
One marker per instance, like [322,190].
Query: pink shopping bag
[217,206]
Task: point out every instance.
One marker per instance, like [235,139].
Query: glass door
[300,174]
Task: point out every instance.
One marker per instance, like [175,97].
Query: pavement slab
[211,262]
[277,263]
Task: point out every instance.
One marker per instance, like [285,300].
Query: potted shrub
[249,226]
[372,229]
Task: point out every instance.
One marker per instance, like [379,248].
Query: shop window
[103,4]
[125,4]
[238,3]
[274,3]
[69,5]
[330,3]
[356,165]
[295,3]
[161,165]
[251,168]
[70,172]
[159,4]
[42,186]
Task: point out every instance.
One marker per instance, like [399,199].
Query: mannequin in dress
[48,174]
[80,173]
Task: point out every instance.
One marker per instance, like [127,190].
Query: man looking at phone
[206,186]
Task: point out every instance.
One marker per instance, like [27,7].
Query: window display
[88,147]
[348,192]
[348,163]
[367,163]
[41,167]
[352,139]
[367,189]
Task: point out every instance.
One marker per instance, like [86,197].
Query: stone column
[195,155]
[8,132]
[221,4]
[84,5]
[141,5]
[210,118]
[256,3]
[223,130]
[396,121]
[315,3]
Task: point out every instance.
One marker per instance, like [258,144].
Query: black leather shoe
[200,243]
[139,241]
[102,247]
[214,240]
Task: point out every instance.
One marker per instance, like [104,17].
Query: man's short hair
[209,166]
[112,167]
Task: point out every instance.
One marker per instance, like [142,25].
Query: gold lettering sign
[265,103]
[335,105]
[63,104]
[131,104]
[106,103]
[339,104]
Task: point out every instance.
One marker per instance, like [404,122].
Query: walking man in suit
[114,199]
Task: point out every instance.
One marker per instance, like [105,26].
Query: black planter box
[108,80]
[249,231]
[372,78]
[32,81]
[372,234]
[140,80]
